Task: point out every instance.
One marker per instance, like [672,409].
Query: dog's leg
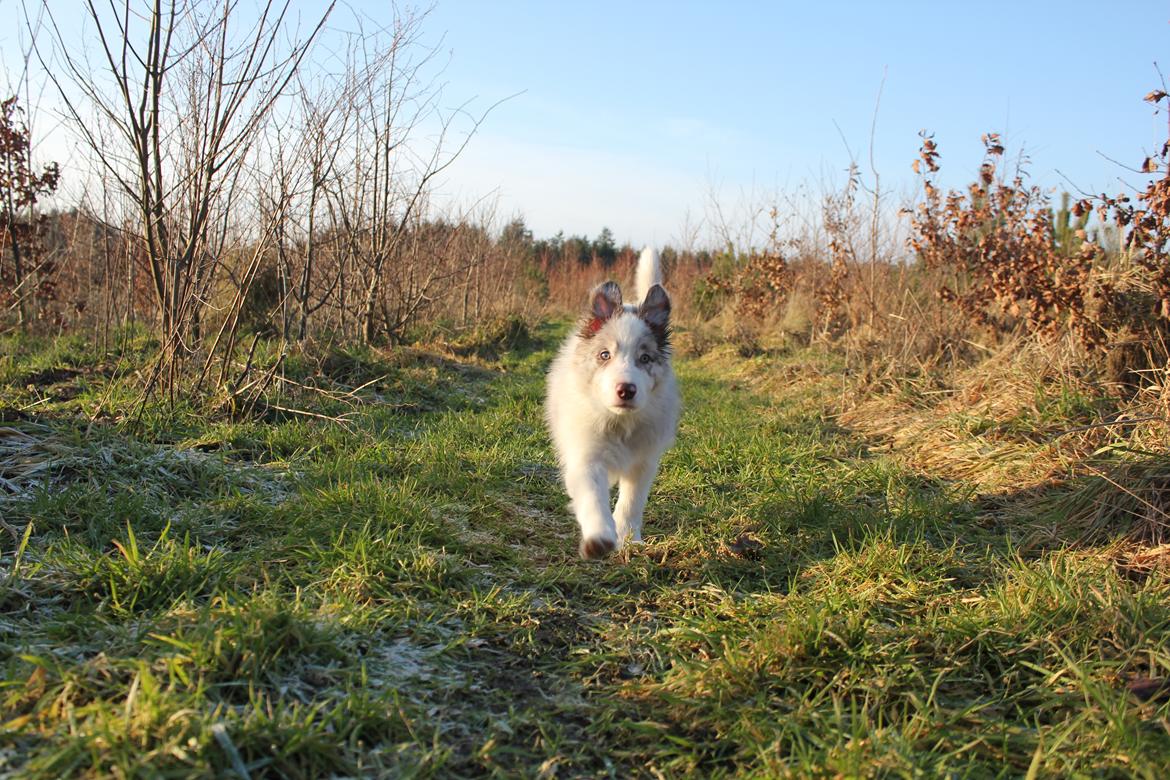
[633,489]
[588,487]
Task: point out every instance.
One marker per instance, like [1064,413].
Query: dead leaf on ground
[745,545]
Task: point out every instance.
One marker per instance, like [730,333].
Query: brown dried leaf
[1150,688]
[745,546]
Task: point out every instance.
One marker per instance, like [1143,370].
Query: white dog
[613,407]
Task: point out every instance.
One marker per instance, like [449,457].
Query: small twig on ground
[332,394]
[1133,421]
[339,419]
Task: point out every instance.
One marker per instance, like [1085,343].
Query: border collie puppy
[613,407]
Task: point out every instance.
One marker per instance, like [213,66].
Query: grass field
[401,596]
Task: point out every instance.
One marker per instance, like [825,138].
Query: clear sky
[630,114]
[633,111]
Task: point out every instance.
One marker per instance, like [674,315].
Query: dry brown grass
[1042,437]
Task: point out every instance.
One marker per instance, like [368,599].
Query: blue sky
[632,112]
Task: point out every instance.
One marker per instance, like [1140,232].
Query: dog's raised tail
[649,272]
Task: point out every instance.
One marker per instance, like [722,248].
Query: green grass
[288,597]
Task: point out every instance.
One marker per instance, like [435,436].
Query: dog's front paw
[596,547]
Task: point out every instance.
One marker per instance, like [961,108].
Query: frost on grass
[37,459]
[404,660]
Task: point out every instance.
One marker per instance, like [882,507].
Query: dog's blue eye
[604,354]
[644,359]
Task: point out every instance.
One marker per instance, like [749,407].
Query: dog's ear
[656,308]
[605,301]
[655,311]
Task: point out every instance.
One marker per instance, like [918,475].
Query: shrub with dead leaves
[996,244]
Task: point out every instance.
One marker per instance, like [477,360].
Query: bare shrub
[247,187]
[172,117]
[755,282]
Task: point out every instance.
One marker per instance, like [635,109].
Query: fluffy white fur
[613,407]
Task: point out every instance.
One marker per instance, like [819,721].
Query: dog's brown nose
[627,390]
